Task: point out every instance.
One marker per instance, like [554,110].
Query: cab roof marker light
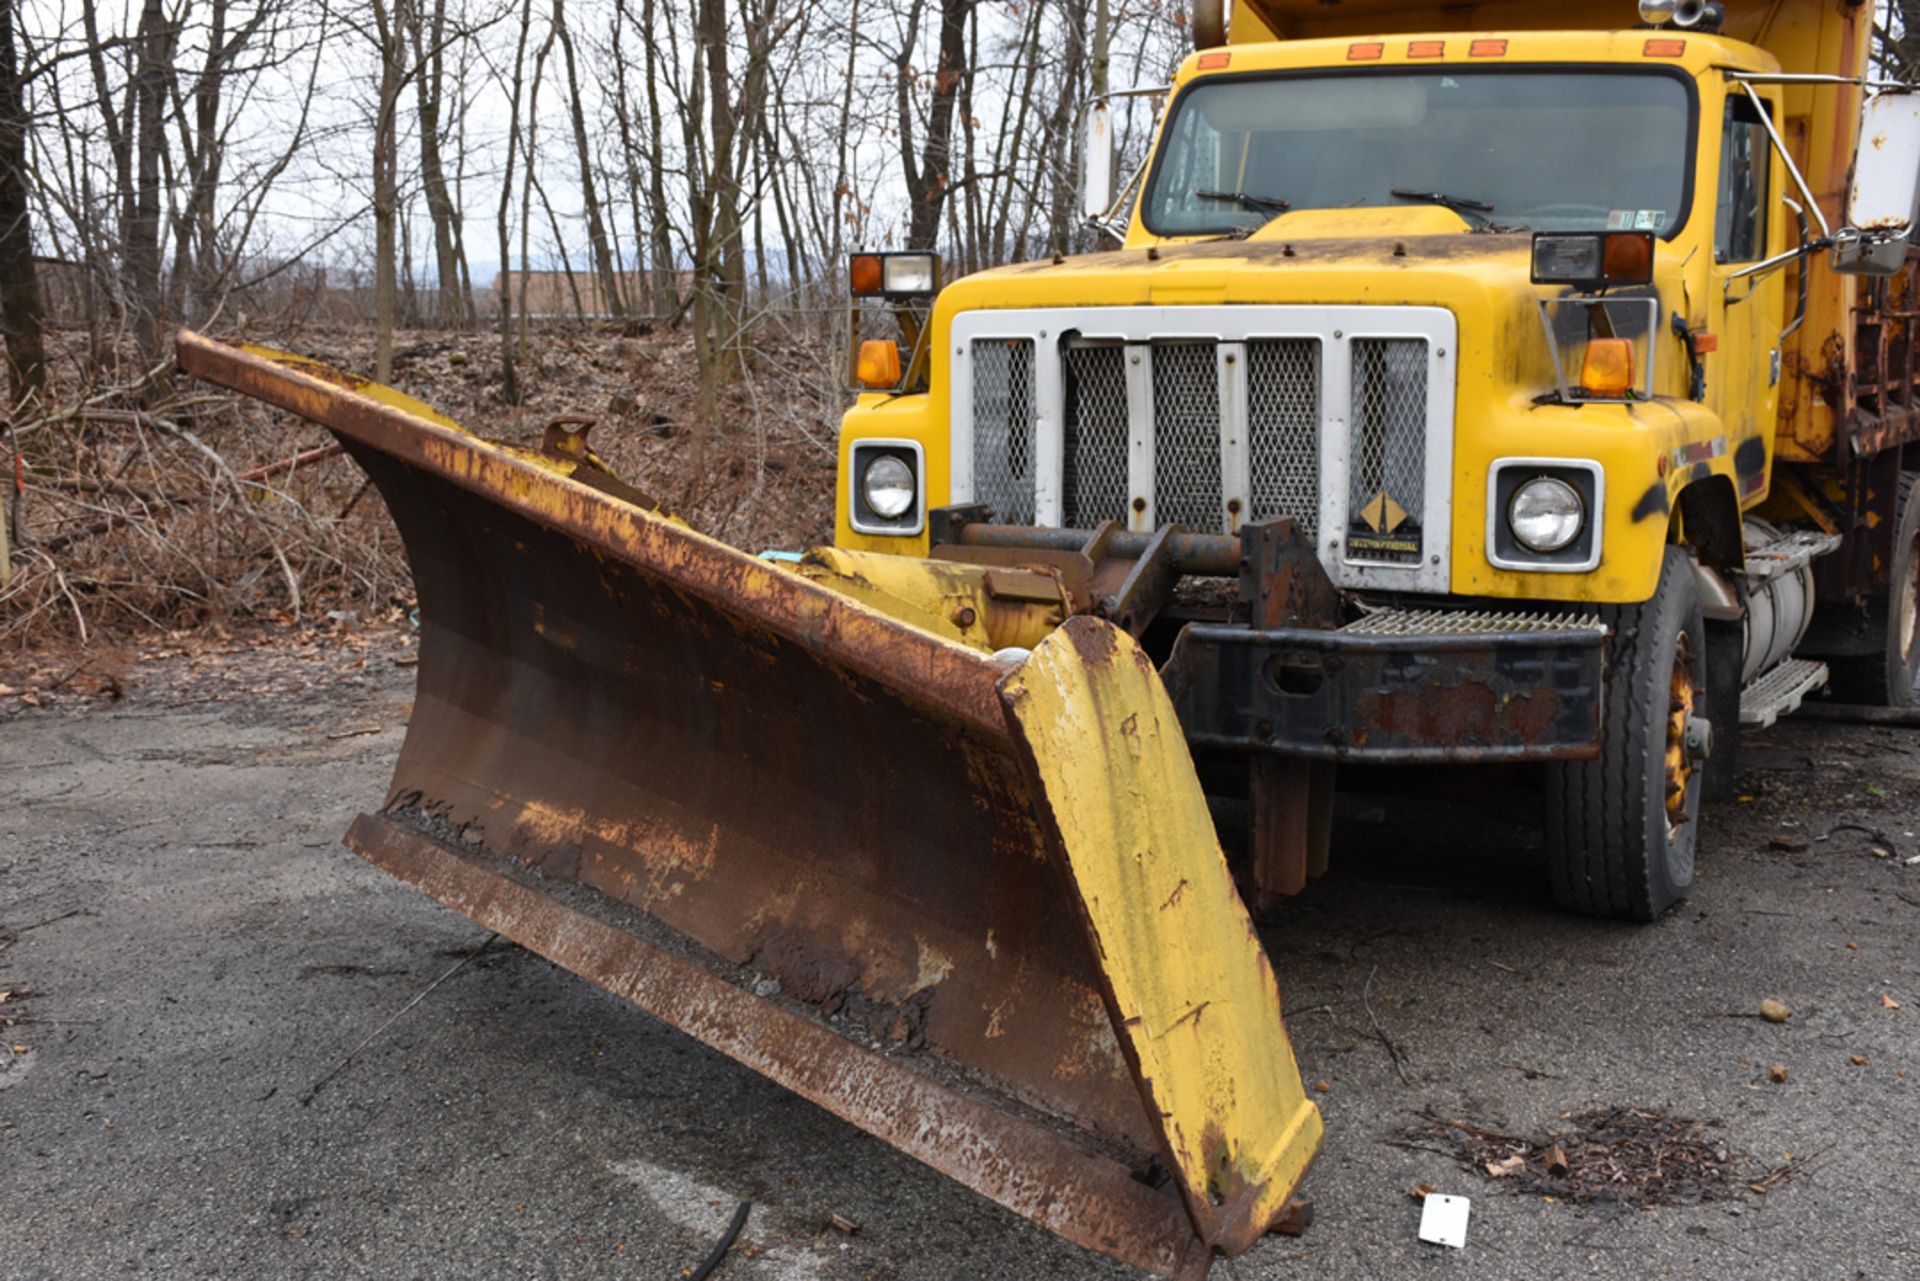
[1427,49]
[1366,51]
[1487,49]
[1664,49]
[1215,61]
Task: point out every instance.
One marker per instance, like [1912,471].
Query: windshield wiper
[1459,204]
[1245,199]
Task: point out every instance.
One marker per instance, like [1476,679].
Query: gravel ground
[186,948]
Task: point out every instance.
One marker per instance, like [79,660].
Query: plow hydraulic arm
[1000,932]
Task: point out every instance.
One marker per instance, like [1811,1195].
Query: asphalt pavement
[187,952]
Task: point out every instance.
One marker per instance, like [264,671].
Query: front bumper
[1398,687]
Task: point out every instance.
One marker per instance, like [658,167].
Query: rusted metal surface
[1185,978]
[1186,553]
[1282,579]
[1280,792]
[1886,355]
[783,775]
[1341,696]
[1081,1195]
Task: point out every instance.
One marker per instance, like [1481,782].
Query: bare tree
[510,389]
[428,31]
[604,266]
[20,313]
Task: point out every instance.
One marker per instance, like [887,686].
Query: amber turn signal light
[864,274]
[878,367]
[1607,370]
[1628,257]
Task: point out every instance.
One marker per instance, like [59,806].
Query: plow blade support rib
[979,912]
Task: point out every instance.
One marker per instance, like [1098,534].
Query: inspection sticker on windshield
[1636,219]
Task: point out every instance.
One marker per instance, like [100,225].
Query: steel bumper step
[1780,692]
[1469,622]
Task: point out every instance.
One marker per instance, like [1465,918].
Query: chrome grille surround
[1209,416]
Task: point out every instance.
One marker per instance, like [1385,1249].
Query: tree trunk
[510,390]
[603,262]
[386,182]
[20,317]
[141,253]
[429,86]
[666,289]
[930,180]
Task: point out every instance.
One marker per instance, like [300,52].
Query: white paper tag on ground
[1443,1221]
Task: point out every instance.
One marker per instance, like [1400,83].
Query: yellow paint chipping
[1189,986]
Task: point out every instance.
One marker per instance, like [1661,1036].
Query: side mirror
[1096,186]
[1882,202]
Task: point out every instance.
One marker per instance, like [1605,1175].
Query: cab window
[1745,164]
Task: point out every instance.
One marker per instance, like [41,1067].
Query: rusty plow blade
[975,907]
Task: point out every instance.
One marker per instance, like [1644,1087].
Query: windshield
[1547,150]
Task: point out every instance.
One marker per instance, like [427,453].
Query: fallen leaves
[1887,1002]
[1629,1155]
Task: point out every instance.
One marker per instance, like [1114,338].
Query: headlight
[1546,514]
[887,485]
[910,273]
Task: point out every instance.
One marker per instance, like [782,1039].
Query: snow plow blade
[975,907]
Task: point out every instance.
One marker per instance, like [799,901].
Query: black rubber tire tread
[1603,855]
[1884,678]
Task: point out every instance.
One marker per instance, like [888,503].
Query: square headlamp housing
[898,276]
[1504,479]
[861,513]
[1593,259]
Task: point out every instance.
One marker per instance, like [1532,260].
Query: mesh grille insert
[1389,419]
[1283,427]
[1186,437]
[1004,409]
[1096,428]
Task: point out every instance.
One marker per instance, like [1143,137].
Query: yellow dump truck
[1550,360]
[1490,394]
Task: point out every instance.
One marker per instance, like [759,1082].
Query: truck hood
[1418,255]
[1421,256]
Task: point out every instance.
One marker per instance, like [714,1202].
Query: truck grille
[1004,410]
[1389,435]
[1325,415]
[1096,434]
[1283,424]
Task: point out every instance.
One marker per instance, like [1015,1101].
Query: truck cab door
[1746,313]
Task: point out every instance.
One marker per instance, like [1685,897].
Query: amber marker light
[1664,49]
[1426,49]
[1487,49]
[1606,372]
[1215,61]
[1366,51]
[864,274]
[1628,259]
[879,365]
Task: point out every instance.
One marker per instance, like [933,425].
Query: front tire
[1621,828]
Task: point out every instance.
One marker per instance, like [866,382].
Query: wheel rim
[1683,693]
